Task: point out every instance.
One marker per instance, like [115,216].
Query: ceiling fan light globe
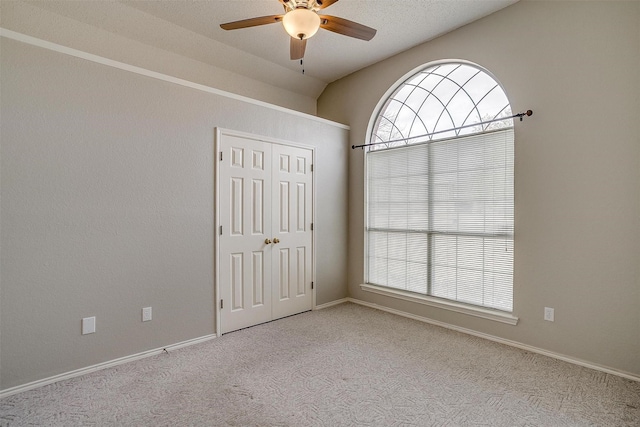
[301,23]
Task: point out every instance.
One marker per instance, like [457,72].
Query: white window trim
[471,310]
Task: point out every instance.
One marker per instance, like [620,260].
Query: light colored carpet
[346,365]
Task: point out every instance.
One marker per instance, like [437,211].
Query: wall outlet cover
[146,314]
[549,314]
[88,325]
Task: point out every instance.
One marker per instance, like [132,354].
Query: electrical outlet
[146,314]
[88,325]
[548,314]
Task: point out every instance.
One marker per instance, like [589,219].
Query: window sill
[484,313]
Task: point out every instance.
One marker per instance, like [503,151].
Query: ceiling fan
[301,21]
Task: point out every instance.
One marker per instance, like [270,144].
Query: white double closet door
[265,246]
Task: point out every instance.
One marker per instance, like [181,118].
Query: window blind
[440,218]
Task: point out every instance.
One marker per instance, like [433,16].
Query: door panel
[236,281]
[292,225]
[284,205]
[258,278]
[245,212]
[283,273]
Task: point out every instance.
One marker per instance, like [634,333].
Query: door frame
[219,133]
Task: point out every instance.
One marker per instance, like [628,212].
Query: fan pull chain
[302,65]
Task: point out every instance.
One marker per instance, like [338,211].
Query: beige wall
[222,67]
[108,206]
[577,177]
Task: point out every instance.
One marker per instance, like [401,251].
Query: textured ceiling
[192,28]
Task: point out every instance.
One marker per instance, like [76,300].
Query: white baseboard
[331,304]
[510,343]
[133,357]
[103,365]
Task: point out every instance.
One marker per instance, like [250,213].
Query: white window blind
[440,218]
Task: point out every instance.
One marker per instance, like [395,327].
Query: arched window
[440,188]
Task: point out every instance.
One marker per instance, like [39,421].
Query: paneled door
[291,229]
[265,250]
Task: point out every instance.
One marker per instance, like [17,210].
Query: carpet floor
[347,365]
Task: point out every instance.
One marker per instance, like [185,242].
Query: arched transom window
[441,101]
[440,189]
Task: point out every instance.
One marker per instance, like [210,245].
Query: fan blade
[346,27]
[325,3]
[297,47]
[251,22]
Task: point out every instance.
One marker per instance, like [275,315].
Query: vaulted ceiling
[192,28]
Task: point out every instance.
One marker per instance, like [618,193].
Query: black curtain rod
[519,115]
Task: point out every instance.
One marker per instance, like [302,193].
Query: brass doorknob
[267,241]
[276,240]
